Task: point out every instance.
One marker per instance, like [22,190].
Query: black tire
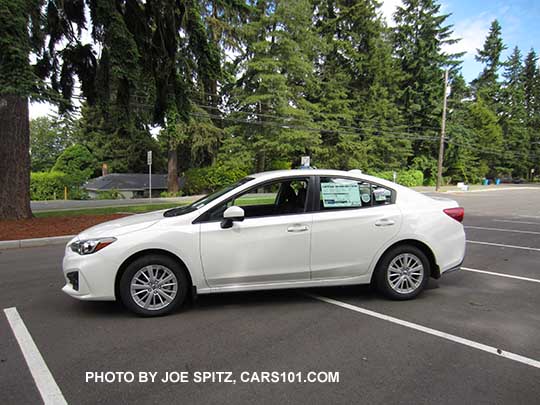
[157,260]
[382,282]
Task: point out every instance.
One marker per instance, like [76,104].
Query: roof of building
[126,182]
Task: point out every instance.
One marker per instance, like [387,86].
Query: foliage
[77,162]
[50,186]
[407,178]
[110,195]
[208,179]
[233,87]
[168,194]
[49,136]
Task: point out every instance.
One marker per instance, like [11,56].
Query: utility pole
[443,131]
[149,161]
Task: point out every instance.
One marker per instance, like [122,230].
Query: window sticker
[338,195]
[365,193]
[381,194]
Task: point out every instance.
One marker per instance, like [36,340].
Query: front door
[272,243]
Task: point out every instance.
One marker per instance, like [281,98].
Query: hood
[122,225]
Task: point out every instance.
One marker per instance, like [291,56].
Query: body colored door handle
[385,222]
[297,228]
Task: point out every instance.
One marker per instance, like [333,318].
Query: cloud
[471,33]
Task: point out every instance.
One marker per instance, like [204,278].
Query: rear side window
[341,193]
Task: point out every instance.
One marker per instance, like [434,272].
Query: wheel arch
[146,252]
[435,270]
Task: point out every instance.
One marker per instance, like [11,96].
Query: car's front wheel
[402,273]
[153,285]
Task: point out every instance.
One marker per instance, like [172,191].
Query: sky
[471,19]
[519,19]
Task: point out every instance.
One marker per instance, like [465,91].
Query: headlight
[89,246]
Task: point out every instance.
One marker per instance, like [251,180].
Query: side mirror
[230,215]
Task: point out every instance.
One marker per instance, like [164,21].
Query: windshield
[204,200]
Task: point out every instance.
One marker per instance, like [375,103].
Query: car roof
[319,172]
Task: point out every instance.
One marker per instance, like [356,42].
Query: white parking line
[49,390]
[501,245]
[534,280]
[517,222]
[430,331]
[529,216]
[502,230]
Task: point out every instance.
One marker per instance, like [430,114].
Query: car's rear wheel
[153,285]
[402,273]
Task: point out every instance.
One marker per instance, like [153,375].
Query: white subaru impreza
[279,229]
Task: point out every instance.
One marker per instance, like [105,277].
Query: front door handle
[385,222]
[297,228]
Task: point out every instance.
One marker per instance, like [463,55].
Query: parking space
[379,360]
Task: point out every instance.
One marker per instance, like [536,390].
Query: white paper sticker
[335,195]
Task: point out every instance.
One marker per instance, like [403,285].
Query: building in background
[129,185]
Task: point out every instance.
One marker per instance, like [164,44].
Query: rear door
[354,220]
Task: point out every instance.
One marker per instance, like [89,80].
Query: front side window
[282,197]
[342,193]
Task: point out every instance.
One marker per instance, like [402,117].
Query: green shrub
[407,178]
[167,194]
[77,162]
[109,195]
[50,186]
[208,179]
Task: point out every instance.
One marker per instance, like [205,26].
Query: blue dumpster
[485,182]
[497,181]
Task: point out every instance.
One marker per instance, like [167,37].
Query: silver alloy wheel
[405,273]
[154,287]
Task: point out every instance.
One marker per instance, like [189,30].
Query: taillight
[457,213]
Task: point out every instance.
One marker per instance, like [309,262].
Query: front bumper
[95,276]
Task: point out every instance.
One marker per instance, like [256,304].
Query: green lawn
[136,209]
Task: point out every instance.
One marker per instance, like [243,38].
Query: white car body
[311,249]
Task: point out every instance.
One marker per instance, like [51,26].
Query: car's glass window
[204,200]
[342,193]
[282,197]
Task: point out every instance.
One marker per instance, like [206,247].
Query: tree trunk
[14,158]
[172,170]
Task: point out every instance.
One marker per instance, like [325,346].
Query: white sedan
[279,229]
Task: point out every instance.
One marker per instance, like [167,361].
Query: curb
[487,190]
[53,240]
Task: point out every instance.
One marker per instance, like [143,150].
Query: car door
[271,244]
[355,219]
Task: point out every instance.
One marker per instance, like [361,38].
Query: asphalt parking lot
[472,337]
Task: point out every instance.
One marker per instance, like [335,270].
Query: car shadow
[264,298]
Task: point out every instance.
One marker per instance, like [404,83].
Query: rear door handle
[385,222]
[297,228]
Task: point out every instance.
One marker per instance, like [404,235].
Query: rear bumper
[452,269]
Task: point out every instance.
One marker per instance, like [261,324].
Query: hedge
[408,178]
[208,179]
[50,186]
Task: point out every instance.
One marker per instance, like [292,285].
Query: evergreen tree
[513,118]
[275,74]
[486,85]
[357,81]
[531,85]
[419,37]
[26,27]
